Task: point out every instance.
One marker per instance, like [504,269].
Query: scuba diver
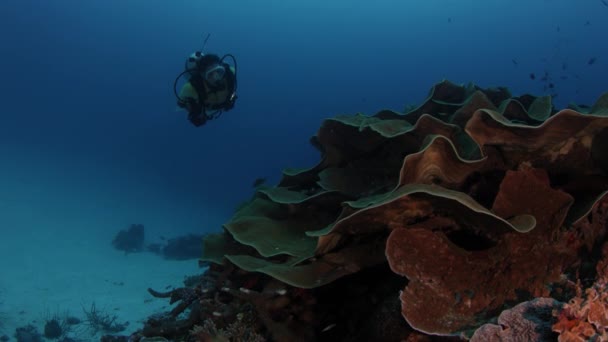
[210,89]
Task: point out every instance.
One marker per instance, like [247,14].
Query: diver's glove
[196,112]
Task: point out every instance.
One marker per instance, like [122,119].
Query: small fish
[605,2]
[592,59]
[514,61]
[564,66]
[532,76]
[558,29]
[449,19]
[587,23]
[259,181]
[551,86]
[329,327]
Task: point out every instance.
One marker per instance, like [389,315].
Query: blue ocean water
[90,138]
[92,80]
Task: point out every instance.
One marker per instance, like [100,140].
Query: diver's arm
[188,97]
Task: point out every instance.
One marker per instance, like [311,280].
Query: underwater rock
[183,247]
[28,333]
[130,240]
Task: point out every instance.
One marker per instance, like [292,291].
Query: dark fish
[587,23]
[605,2]
[564,66]
[558,29]
[514,61]
[449,19]
[551,86]
[259,181]
[532,76]
[592,59]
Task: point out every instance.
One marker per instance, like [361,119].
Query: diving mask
[215,73]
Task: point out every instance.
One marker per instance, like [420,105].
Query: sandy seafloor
[57,221]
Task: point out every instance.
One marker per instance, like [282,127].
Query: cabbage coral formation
[476,201]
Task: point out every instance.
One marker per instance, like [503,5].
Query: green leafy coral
[471,172]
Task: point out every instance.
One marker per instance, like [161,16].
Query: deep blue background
[92,80]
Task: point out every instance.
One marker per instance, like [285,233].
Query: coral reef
[130,240]
[527,321]
[53,329]
[100,321]
[432,222]
[585,316]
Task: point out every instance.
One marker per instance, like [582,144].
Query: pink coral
[586,317]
